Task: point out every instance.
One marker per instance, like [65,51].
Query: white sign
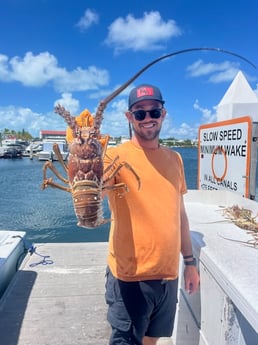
[224,155]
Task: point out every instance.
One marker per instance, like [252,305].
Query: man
[149,228]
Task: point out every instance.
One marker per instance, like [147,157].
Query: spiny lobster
[86,152]
[85,169]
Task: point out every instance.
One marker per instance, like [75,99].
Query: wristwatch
[190,263]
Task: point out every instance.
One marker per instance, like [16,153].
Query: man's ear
[164,113]
[129,116]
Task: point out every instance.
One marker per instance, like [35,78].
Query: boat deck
[60,302]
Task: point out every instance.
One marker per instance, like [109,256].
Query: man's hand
[192,279]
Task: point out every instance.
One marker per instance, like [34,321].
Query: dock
[57,298]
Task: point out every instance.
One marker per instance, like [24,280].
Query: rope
[44,261]
[31,249]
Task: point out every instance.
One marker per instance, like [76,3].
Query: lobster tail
[87,201]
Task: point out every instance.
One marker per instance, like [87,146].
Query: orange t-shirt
[145,241]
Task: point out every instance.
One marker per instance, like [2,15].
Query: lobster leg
[116,186]
[49,181]
[116,170]
[104,143]
[56,149]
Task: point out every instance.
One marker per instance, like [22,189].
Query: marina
[42,149]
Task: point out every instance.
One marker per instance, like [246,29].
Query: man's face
[145,126]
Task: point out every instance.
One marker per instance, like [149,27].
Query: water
[48,216]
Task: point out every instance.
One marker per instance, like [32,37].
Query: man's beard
[147,135]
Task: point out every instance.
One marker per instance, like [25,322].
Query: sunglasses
[141,114]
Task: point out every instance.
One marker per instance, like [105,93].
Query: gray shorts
[138,309]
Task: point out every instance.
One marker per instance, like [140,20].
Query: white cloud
[81,79]
[186,131]
[114,122]
[39,70]
[4,75]
[18,118]
[150,32]
[69,102]
[33,70]
[208,115]
[227,75]
[219,72]
[90,17]
[183,131]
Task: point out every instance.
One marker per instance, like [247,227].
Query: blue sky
[77,52]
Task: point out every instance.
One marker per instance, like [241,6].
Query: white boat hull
[11,252]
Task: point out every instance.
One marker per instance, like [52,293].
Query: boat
[47,153]
[33,149]
[112,143]
[11,151]
[11,255]
[11,147]
[124,139]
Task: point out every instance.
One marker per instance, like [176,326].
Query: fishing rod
[183,51]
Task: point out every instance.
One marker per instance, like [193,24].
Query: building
[53,135]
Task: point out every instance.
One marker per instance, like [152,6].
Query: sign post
[224,155]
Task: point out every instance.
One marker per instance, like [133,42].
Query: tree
[22,135]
